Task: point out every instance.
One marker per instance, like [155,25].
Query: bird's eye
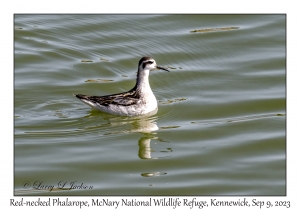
[150,62]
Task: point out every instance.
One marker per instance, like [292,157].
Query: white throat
[143,82]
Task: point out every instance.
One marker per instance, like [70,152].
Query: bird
[140,100]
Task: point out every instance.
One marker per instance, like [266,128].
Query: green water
[220,128]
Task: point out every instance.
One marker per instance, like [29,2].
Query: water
[220,128]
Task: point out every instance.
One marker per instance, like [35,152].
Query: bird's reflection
[146,125]
[144,148]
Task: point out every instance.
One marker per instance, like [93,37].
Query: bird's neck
[142,81]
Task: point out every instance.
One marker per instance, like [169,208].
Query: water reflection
[145,147]
[146,125]
[136,124]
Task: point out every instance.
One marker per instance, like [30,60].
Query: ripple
[153,174]
[238,119]
[99,80]
[169,127]
[170,101]
[86,61]
[206,30]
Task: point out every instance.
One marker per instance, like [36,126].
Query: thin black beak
[163,68]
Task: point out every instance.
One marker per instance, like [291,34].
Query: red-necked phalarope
[139,100]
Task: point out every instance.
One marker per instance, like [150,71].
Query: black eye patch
[148,62]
